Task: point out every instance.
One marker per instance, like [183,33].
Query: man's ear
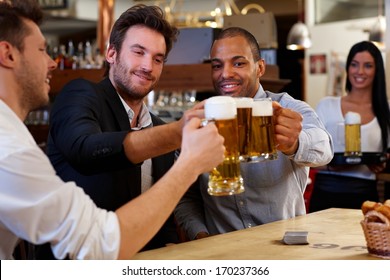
[260,67]
[111,54]
[7,54]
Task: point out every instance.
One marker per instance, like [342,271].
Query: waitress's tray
[365,158]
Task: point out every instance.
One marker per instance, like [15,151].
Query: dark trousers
[333,191]
[387,191]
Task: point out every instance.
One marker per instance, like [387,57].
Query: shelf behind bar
[174,77]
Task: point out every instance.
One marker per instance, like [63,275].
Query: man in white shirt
[35,204]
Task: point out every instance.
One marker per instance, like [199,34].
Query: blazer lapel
[115,104]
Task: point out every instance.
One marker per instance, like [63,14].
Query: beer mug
[225,179]
[352,134]
[339,135]
[262,142]
[244,119]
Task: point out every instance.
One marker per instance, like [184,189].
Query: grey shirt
[273,189]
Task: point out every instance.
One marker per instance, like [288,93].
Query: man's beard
[32,90]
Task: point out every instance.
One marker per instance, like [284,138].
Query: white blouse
[329,111]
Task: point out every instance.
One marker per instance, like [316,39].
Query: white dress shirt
[144,121]
[37,206]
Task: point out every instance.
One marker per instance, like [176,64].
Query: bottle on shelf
[88,55]
[99,59]
[60,58]
[70,59]
[80,56]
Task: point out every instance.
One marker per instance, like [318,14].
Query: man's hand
[203,146]
[288,126]
[196,111]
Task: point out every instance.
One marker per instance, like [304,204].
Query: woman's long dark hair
[380,104]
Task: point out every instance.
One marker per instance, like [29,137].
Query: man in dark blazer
[102,135]
[88,127]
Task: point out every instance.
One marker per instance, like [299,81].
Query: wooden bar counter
[333,234]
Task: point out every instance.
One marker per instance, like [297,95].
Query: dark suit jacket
[88,124]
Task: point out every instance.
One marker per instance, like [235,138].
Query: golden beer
[262,138]
[262,142]
[244,119]
[352,134]
[225,179]
[352,140]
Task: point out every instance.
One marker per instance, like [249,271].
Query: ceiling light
[299,36]
[378,30]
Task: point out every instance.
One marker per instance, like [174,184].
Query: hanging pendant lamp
[378,30]
[299,36]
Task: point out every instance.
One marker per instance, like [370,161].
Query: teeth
[359,79]
[229,86]
[47,80]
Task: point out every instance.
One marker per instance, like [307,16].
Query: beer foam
[220,108]
[243,102]
[262,107]
[352,118]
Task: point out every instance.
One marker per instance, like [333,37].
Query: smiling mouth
[48,78]
[360,79]
[229,87]
[143,76]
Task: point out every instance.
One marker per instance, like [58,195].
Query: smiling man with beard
[91,124]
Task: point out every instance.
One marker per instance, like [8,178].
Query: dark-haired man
[273,189]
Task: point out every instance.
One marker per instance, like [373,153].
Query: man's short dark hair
[12,13]
[150,16]
[238,31]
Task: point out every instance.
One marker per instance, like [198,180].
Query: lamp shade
[298,38]
[377,31]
